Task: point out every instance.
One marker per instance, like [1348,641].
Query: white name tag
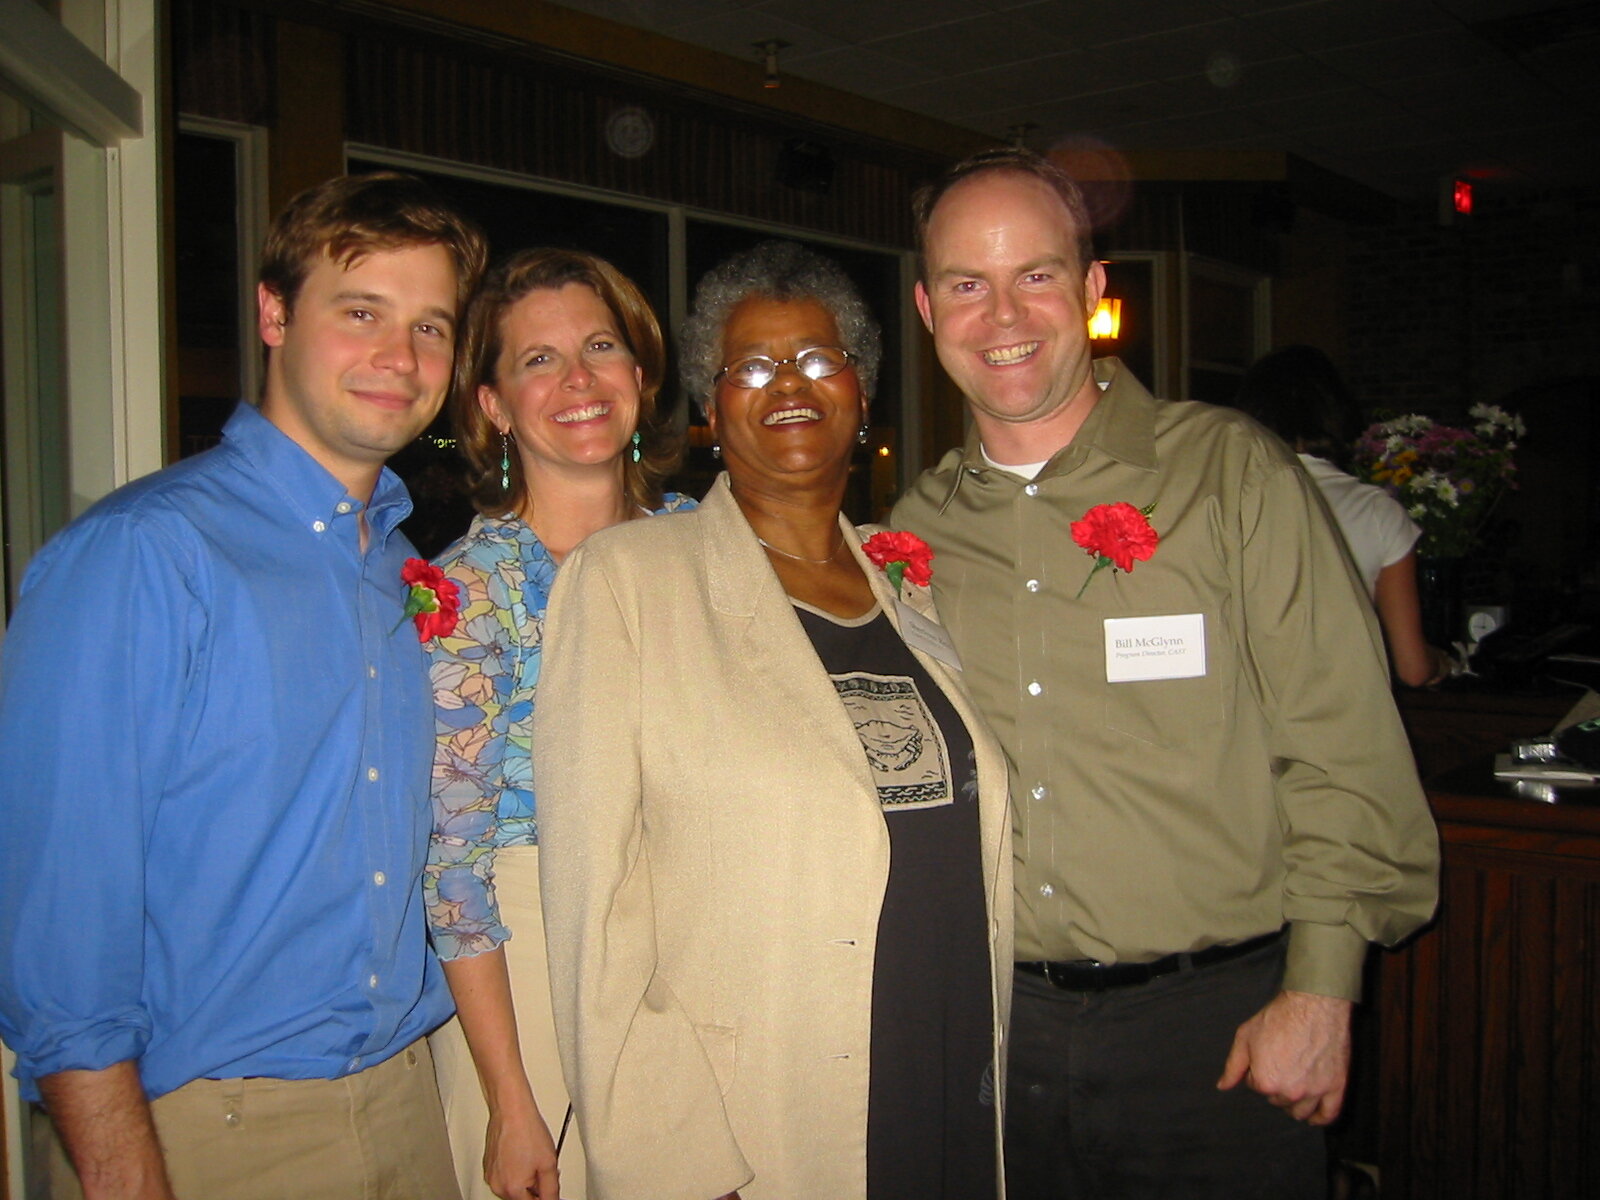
[1155,647]
[922,634]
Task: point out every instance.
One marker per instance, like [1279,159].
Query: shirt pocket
[1169,713]
[1176,713]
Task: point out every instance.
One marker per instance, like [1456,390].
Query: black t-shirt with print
[930,1124]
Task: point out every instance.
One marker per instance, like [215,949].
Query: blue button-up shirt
[215,737]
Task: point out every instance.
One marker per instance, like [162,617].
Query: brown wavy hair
[478,363]
[352,216]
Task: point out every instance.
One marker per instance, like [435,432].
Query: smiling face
[362,363]
[794,430]
[566,385]
[1007,301]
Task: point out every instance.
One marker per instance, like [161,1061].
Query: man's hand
[1296,1053]
[104,1121]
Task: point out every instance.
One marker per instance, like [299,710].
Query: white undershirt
[1026,470]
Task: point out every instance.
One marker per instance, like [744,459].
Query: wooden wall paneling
[1496,980]
[1489,1022]
[306,141]
[1451,1156]
[1530,1026]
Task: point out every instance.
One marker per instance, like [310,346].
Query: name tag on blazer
[1155,647]
[924,635]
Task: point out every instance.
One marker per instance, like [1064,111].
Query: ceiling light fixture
[769,56]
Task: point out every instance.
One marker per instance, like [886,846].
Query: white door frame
[93,77]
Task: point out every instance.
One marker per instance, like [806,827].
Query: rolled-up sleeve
[93,705]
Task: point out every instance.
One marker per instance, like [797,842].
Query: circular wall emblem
[630,132]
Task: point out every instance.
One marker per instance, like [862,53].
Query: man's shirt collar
[311,493]
[1122,426]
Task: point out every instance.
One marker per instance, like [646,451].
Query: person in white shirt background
[1298,393]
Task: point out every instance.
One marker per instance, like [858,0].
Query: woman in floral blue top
[554,411]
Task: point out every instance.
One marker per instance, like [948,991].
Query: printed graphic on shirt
[910,761]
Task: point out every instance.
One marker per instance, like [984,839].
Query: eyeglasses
[758,370]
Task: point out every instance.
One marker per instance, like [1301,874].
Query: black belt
[1087,975]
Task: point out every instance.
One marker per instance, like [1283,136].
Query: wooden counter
[1488,1023]
[1467,719]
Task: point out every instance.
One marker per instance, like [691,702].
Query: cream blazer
[712,861]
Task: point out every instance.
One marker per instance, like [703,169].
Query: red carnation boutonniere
[1115,535]
[902,556]
[433,601]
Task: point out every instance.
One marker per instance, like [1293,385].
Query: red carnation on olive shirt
[1116,535]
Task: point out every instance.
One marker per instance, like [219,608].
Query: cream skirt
[466,1114]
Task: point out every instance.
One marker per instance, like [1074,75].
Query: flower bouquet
[1445,477]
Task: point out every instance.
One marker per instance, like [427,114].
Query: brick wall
[1442,317]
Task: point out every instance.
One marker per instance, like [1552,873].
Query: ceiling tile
[863,71]
[975,44]
[1086,26]
[1318,110]
[660,15]
[1564,69]
[736,34]
[1442,50]
[1329,24]
[853,22]
[1383,90]
[953,100]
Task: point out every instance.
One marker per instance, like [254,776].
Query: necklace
[816,562]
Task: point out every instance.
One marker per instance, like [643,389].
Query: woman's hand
[519,1155]
[519,1159]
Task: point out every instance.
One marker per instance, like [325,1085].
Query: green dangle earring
[505,461]
[636,440]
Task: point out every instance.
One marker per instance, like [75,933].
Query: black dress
[931,1120]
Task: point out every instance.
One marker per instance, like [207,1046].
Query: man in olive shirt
[1203,743]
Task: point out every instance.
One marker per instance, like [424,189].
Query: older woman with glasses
[776,848]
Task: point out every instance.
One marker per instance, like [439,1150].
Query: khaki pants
[376,1135]
[466,1112]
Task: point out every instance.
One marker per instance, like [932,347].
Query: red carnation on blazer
[901,555]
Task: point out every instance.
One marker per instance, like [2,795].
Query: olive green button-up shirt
[1170,814]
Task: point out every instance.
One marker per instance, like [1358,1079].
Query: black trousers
[1112,1095]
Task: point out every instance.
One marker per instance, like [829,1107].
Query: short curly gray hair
[776,271]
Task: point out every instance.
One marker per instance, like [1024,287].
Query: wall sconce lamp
[769,56]
[1106,321]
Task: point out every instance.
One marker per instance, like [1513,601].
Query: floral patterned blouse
[484,677]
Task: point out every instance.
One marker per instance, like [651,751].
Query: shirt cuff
[85,1048]
[1325,960]
[452,943]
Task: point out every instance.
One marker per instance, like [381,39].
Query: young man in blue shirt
[215,727]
